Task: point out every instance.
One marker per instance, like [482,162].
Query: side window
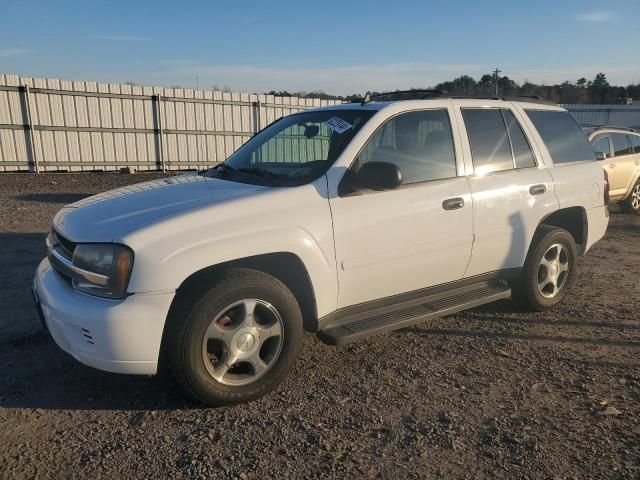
[602,145]
[562,135]
[620,144]
[489,141]
[419,143]
[522,154]
[635,142]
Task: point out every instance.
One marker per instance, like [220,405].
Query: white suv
[345,221]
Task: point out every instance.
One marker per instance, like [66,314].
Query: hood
[109,216]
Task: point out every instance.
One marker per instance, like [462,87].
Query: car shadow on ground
[460,332]
[36,374]
[54,197]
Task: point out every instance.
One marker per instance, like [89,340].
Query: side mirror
[601,156]
[378,176]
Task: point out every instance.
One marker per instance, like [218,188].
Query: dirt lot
[489,393]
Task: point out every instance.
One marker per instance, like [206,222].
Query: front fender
[168,253]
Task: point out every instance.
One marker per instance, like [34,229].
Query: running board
[351,327]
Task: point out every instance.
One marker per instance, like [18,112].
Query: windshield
[293,150]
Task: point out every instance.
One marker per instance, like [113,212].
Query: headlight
[106,268]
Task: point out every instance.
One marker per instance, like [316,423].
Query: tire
[228,377]
[631,204]
[526,290]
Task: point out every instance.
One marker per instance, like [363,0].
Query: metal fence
[52,125]
[600,115]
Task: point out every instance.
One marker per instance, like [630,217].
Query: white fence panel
[54,125]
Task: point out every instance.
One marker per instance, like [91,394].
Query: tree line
[597,91]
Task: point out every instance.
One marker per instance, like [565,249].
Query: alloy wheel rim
[635,197]
[243,342]
[553,271]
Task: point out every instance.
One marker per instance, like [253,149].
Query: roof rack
[411,94]
[426,94]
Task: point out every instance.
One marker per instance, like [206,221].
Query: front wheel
[238,341]
[548,271]
[631,204]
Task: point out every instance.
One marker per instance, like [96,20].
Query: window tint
[562,135]
[602,145]
[635,142]
[522,154]
[620,144]
[419,143]
[489,141]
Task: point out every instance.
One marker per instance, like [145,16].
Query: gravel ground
[489,393]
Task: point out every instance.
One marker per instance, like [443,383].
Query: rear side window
[635,142]
[489,141]
[562,135]
[522,154]
[620,144]
[602,145]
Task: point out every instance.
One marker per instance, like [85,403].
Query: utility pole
[496,77]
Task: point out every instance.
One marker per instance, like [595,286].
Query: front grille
[66,246]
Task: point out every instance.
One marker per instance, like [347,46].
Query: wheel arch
[635,180]
[285,266]
[572,219]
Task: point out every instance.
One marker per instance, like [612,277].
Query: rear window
[562,135]
[635,142]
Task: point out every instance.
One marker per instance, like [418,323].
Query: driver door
[417,235]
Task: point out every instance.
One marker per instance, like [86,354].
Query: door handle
[453,203]
[537,189]
[612,165]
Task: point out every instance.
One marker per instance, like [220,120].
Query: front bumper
[121,336]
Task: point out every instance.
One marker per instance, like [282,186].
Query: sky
[339,47]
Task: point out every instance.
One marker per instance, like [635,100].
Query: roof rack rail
[411,94]
[426,94]
[626,129]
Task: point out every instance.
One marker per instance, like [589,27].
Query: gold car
[618,151]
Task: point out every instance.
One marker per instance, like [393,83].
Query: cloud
[13,52]
[121,38]
[595,17]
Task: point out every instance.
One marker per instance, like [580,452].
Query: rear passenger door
[622,165]
[510,188]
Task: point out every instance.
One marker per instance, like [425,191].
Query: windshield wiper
[259,172]
[221,168]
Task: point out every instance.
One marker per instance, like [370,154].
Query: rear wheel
[548,270]
[238,341]
[631,204]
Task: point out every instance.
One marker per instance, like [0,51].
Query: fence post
[157,119]
[256,116]
[28,127]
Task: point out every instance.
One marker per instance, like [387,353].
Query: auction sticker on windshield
[338,125]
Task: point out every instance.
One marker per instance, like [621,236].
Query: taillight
[606,188]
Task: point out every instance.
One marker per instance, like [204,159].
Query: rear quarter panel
[577,184]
